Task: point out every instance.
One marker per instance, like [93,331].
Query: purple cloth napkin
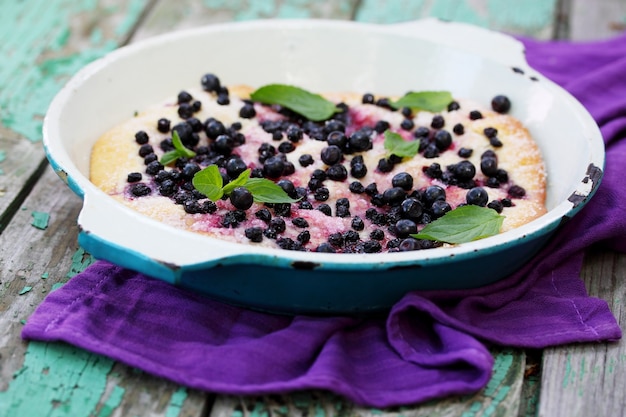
[431,344]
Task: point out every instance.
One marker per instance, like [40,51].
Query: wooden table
[44,42]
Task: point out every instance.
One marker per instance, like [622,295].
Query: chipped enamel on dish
[429,54]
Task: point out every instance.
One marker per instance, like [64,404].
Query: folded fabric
[432,344]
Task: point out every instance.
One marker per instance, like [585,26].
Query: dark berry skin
[247,111]
[134,177]
[235,166]
[409,244]
[337,138]
[210,82]
[477,196]
[443,140]
[163,125]
[255,234]
[403,180]
[394,195]
[439,208]
[501,104]
[141,137]
[516,191]
[337,172]
[411,208]
[405,227]
[241,198]
[273,167]
[434,193]
[331,155]
[489,166]
[140,189]
[464,170]
[358,170]
[305,160]
[360,141]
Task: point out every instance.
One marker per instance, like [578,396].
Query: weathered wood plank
[531,17]
[65,381]
[46,42]
[500,397]
[588,380]
[167,16]
[598,19]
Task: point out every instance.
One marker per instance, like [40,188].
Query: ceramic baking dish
[319,56]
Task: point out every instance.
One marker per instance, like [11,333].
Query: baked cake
[347,189]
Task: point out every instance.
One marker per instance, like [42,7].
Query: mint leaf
[432,101]
[178,152]
[312,106]
[266,191]
[240,181]
[209,182]
[463,224]
[396,145]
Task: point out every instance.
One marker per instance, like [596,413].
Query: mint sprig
[432,101]
[312,106]
[178,152]
[463,224]
[396,145]
[209,182]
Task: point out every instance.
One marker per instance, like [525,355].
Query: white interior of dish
[319,56]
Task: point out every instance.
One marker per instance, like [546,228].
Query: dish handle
[115,233]
[470,38]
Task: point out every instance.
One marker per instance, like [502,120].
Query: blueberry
[495,142]
[282,209]
[433,170]
[300,222]
[336,239]
[409,244]
[145,149]
[141,137]
[263,214]
[516,191]
[407,124]
[149,158]
[337,138]
[325,247]
[305,205]
[196,106]
[385,165]
[465,152]
[185,111]
[443,140]
[475,115]
[371,189]
[241,198]
[185,133]
[357,223]
[381,126]
[437,122]
[411,208]
[325,208]
[489,166]
[501,104]
[213,128]
[210,82]
[255,234]
[464,170]
[458,129]
[294,133]
[342,211]
[377,234]
[140,189]
[163,125]
[190,169]
[337,172]
[421,132]
[433,193]
[372,246]
[331,155]
[359,141]
[273,167]
[439,208]
[247,111]
[403,180]
[321,194]
[286,147]
[305,160]
[134,177]
[367,98]
[454,105]
[278,224]
[153,168]
[304,237]
[356,187]
[477,196]
[235,166]
[496,205]
[287,187]
[358,170]
[405,227]
[431,151]
[490,132]
[394,195]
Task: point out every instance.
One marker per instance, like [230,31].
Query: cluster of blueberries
[399,209]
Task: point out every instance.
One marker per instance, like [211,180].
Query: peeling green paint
[111,404]
[56,380]
[80,261]
[176,402]
[40,219]
[27,82]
